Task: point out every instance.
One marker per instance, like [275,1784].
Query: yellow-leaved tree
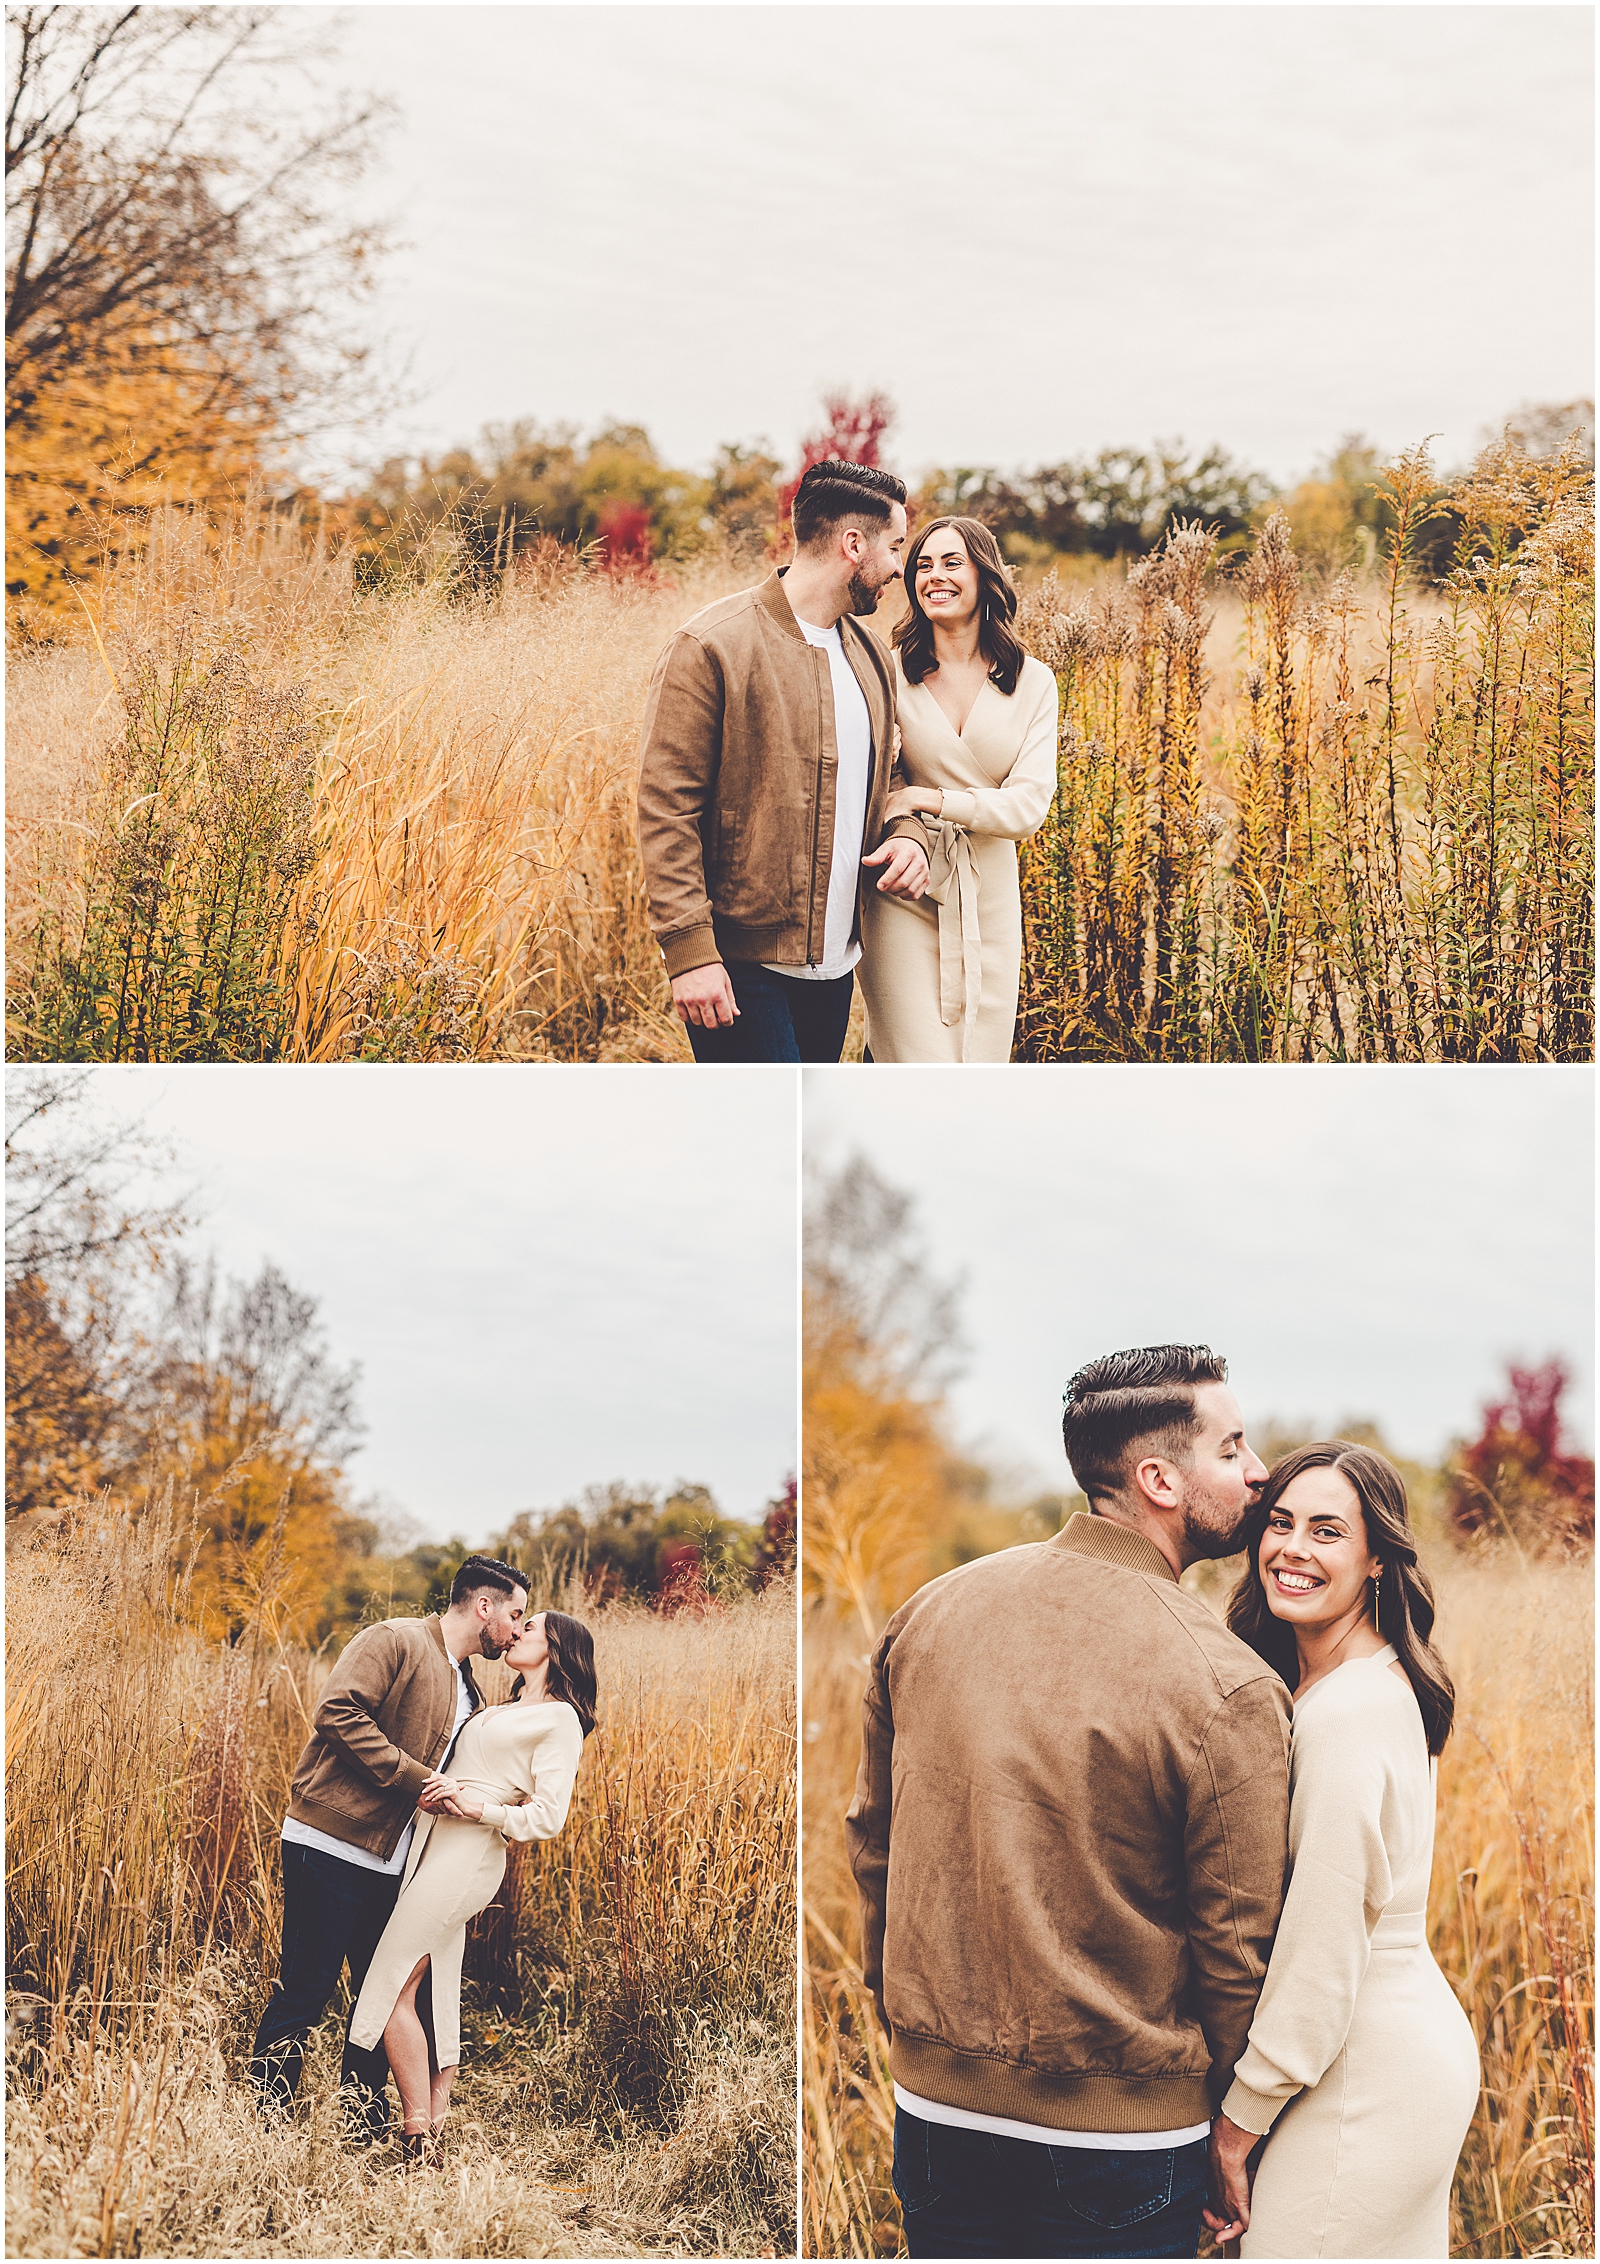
[179,270]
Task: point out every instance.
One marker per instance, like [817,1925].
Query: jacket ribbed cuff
[909,828]
[690,948]
[1250,2110]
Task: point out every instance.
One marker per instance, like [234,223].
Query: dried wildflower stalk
[1375,846]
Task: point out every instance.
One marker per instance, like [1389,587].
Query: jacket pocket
[752,868]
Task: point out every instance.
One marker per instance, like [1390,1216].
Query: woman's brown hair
[569,1673]
[1405,1611]
[998,642]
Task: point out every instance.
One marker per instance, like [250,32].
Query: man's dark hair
[834,491]
[486,1572]
[1140,1398]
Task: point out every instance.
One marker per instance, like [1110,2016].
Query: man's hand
[1229,2213]
[905,868]
[705,995]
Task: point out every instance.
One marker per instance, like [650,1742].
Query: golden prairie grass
[262,814]
[1511,1917]
[1369,839]
[627,2086]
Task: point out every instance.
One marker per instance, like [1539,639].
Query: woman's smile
[1296,1583]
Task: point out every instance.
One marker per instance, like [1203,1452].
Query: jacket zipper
[816,808]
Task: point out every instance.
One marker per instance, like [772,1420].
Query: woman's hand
[913,801]
[1230,2151]
[436,1792]
[466,1805]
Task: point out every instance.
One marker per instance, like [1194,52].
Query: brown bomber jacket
[381,1727]
[1069,1834]
[738,769]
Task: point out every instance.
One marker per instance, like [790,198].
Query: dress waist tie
[953,885]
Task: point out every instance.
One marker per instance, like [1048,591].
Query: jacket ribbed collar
[1103,1537]
[772,595]
[462,1667]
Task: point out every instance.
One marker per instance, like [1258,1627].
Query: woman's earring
[1377,1578]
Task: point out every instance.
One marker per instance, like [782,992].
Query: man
[769,742]
[384,1724]
[1069,1834]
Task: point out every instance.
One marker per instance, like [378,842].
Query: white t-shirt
[1103,2141]
[852,731]
[307,1835]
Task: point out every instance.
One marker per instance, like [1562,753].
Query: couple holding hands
[814,806]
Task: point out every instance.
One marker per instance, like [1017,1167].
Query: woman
[1360,2061]
[978,737]
[514,1767]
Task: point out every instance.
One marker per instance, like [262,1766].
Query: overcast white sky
[551,1276]
[1044,229]
[1358,1241]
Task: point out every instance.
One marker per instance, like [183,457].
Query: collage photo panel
[800,1129]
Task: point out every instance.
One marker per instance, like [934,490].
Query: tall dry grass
[262,814]
[628,2064]
[1511,1919]
[1368,836]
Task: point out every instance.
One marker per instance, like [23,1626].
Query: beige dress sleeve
[1351,1746]
[554,1751]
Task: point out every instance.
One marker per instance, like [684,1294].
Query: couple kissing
[1144,1896]
[402,1805]
[814,806]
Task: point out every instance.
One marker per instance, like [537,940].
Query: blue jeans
[970,2193]
[333,1914]
[781,1018]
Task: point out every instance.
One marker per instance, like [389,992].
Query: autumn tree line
[186,295]
[893,1499]
[138,1375]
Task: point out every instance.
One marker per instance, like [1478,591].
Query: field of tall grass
[1363,830]
[1511,1917]
[260,813]
[627,2084]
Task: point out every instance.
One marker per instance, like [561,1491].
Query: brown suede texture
[381,1728]
[1069,1834]
[738,772]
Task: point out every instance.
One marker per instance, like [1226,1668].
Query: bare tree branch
[164,215]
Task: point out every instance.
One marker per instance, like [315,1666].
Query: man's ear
[1156,1483]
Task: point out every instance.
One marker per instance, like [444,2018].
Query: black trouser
[781,1018]
[333,1914]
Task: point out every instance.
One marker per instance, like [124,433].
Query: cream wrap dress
[521,1760]
[940,975]
[1360,2060]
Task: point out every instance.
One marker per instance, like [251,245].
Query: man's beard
[1210,1531]
[863,597]
[489,1648]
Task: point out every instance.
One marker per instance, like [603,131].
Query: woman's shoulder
[550,1718]
[1036,680]
[1365,1696]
